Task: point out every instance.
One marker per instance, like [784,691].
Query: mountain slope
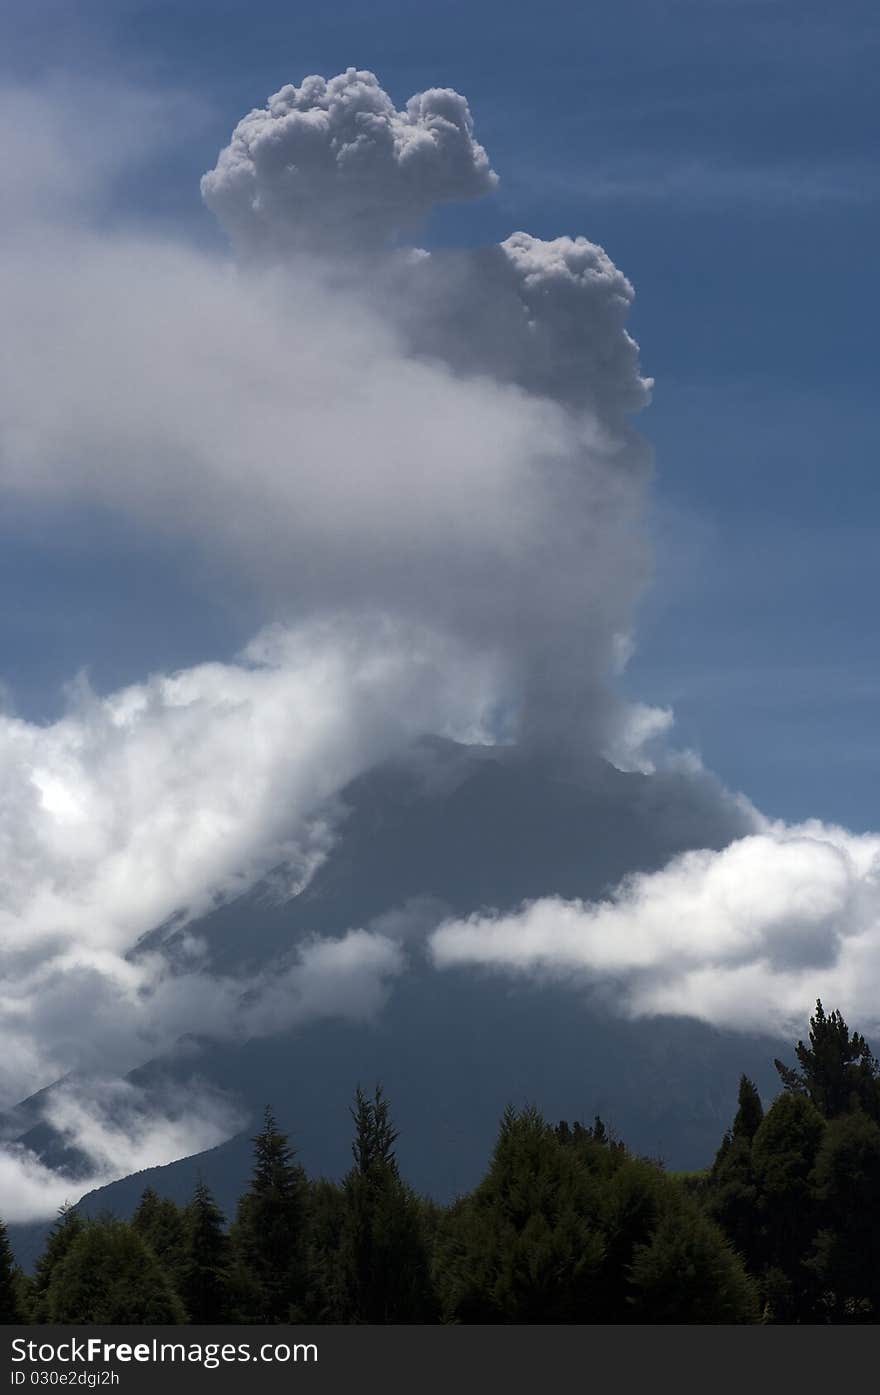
[447,828]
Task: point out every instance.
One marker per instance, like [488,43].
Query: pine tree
[633,1197]
[326,1297]
[527,1245]
[160,1223]
[204,1283]
[9,1304]
[731,1192]
[784,1153]
[58,1242]
[749,1111]
[838,1071]
[385,1268]
[732,1198]
[374,1136]
[109,1275]
[270,1235]
[23,1285]
[846,1255]
[689,1273]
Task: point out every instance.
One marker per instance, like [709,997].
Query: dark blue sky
[724,153]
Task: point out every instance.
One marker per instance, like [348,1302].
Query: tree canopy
[566,1226]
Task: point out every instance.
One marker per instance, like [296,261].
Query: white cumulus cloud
[140,803]
[746,937]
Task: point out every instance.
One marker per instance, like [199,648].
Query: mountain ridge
[449,829]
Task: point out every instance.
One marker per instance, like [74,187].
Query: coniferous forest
[566,1226]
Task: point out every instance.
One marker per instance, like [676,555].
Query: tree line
[566,1226]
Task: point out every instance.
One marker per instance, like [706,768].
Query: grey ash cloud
[427,460]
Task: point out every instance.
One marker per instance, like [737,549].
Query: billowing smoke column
[335,164]
[331,170]
[424,460]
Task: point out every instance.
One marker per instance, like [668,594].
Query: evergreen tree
[270,1237]
[660,1253]
[731,1199]
[838,1071]
[160,1223]
[635,1195]
[732,1193]
[385,1266]
[109,1275]
[9,1293]
[749,1110]
[566,1226]
[374,1135]
[527,1245]
[23,1286]
[325,1298]
[688,1273]
[784,1153]
[846,1255]
[60,1238]
[578,1133]
[205,1281]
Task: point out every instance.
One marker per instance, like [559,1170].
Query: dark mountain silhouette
[447,828]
